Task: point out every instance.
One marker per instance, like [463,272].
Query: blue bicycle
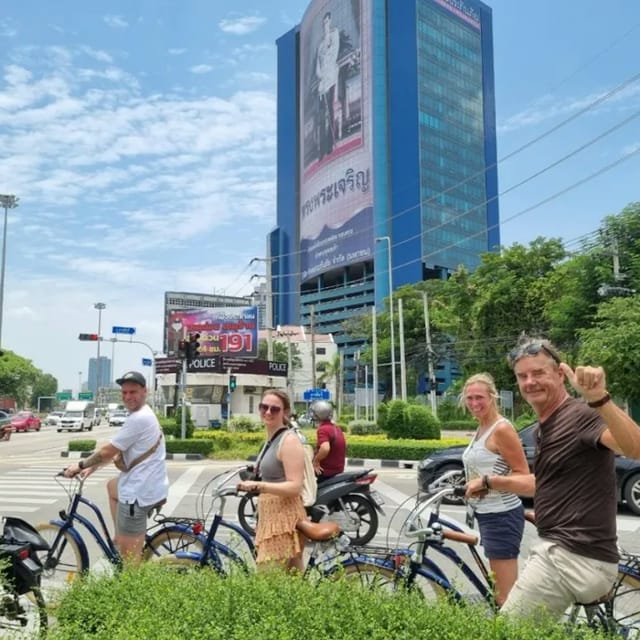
[68,554]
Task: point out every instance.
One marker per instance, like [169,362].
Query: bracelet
[599,403]
[485,483]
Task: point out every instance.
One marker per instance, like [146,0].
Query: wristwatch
[80,464]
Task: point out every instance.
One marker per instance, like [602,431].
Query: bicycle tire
[222,560]
[361,509]
[625,605]
[61,564]
[388,578]
[248,512]
[169,541]
[24,615]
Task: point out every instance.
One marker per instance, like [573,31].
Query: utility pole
[431,373]
[313,346]
[374,361]
[403,368]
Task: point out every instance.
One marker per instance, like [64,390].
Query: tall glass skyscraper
[386,151]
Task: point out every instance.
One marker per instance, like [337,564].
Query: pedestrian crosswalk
[29,489]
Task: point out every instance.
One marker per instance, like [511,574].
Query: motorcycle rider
[329,458]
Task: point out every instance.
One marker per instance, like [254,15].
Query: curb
[169,456]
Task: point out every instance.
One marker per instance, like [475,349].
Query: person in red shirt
[331,447]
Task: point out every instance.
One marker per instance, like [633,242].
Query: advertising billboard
[336,196]
[230,331]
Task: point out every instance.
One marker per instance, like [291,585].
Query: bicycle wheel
[22,616]
[62,564]
[167,542]
[386,577]
[222,560]
[248,512]
[625,606]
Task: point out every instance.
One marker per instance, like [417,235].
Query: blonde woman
[495,450]
[281,469]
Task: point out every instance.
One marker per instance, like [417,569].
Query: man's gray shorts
[131,519]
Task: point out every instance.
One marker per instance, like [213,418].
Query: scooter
[22,605]
[346,498]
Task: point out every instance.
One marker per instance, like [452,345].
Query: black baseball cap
[133,376]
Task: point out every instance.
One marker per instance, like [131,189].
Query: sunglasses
[269,408]
[530,349]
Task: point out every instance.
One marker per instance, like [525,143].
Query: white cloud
[201,68]
[7,29]
[115,21]
[242,25]
[176,51]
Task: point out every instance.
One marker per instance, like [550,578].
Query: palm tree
[330,370]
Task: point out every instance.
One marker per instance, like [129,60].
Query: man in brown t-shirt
[574,482]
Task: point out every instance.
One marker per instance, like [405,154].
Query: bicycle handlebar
[412,532]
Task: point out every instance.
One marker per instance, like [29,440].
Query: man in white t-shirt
[139,452]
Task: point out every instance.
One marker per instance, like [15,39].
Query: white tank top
[479,461]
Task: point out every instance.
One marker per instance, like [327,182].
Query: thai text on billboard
[223,330]
[336,195]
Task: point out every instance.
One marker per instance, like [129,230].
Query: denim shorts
[501,533]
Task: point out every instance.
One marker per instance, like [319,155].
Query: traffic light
[182,349]
[193,346]
[233,383]
[88,336]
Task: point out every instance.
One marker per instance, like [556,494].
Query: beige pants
[554,579]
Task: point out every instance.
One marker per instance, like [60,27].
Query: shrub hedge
[82,445]
[153,602]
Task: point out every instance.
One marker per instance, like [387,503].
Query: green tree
[614,343]
[17,377]
[45,385]
[330,370]
[280,352]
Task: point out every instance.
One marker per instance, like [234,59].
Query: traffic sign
[85,395]
[147,362]
[126,330]
[63,395]
[316,394]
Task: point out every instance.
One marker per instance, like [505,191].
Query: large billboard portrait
[230,331]
[336,197]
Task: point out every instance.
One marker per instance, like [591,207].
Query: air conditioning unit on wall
[249,390]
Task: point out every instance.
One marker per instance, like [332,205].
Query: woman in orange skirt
[281,469]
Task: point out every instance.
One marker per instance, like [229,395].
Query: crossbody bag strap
[142,456]
[265,448]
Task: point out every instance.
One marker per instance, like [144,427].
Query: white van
[78,416]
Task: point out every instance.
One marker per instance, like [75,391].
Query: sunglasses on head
[530,349]
[269,408]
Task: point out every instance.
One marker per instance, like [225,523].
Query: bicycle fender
[77,538]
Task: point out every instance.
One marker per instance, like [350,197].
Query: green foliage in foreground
[154,603]
[82,445]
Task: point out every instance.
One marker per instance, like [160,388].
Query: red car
[24,421]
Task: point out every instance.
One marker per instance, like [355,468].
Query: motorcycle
[22,605]
[346,498]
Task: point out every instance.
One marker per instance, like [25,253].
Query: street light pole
[387,239]
[99,306]
[7,202]
[79,383]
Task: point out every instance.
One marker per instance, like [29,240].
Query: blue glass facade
[427,87]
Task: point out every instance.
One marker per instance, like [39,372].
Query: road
[29,462]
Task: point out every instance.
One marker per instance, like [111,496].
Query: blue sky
[140,138]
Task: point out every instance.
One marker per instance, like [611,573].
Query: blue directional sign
[316,394]
[126,330]
[147,362]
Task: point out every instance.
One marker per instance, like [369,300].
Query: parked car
[439,462]
[117,418]
[53,419]
[25,420]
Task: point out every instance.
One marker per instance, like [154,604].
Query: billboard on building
[336,196]
[230,331]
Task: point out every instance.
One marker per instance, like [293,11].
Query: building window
[321,351]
